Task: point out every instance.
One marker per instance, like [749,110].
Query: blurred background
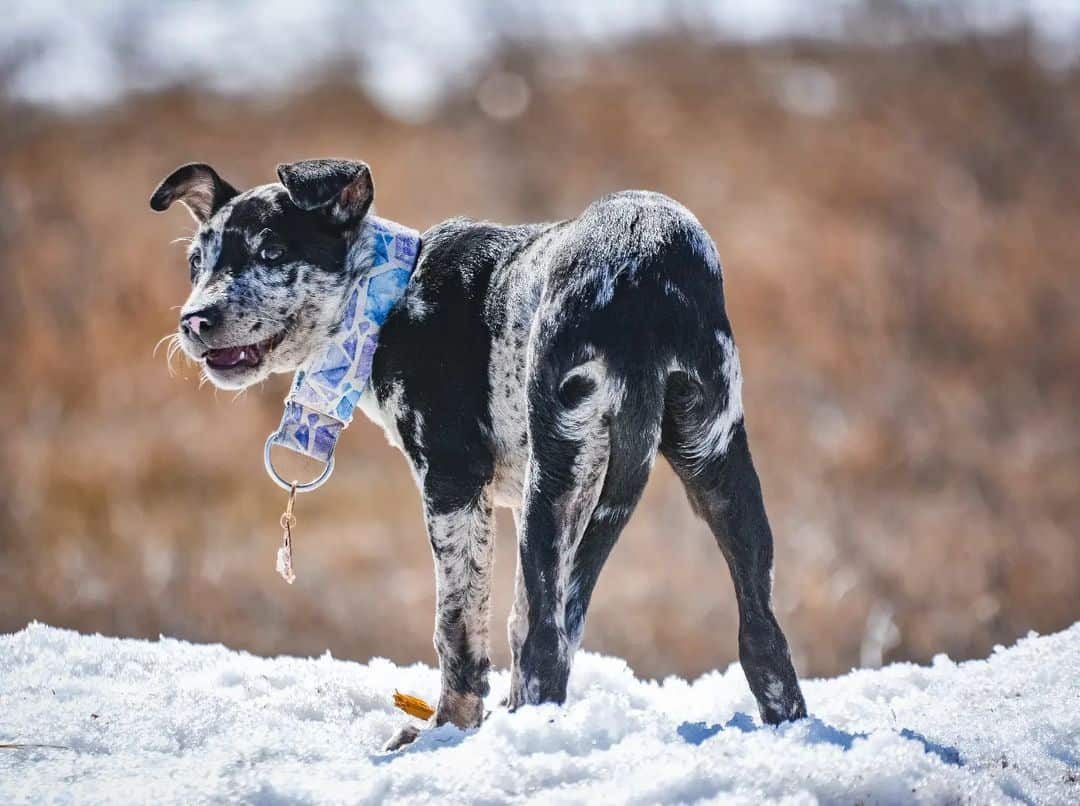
[894,189]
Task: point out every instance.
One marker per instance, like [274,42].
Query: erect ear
[198,186]
[343,187]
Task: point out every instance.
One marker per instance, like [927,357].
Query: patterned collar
[326,389]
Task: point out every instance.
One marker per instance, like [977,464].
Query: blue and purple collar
[328,386]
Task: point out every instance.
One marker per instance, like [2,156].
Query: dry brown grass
[902,276]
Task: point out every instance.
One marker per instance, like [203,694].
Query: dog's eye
[195,261]
[271,251]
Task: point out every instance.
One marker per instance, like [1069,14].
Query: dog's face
[268,266]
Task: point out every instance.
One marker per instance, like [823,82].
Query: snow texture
[168,721]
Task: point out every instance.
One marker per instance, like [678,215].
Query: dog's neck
[327,387]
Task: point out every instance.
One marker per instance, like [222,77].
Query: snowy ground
[166,721]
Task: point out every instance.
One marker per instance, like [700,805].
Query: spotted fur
[540,368]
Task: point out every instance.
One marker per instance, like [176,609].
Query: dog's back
[631,288]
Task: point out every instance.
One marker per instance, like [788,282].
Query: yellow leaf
[413,706]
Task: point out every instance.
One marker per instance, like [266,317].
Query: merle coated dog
[538,367]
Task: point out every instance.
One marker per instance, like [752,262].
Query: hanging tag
[284,554]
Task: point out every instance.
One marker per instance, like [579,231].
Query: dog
[539,367]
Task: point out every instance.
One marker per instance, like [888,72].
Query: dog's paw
[783,701]
[458,708]
[405,736]
[466,711]
[513,700]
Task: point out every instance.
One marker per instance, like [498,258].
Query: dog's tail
[703,404]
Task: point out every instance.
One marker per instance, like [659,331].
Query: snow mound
[97,719]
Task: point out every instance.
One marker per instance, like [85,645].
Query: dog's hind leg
[569,441]
[635,434]
[632,440]
[517,626]
[705,440]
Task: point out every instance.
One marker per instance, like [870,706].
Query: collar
[327,387]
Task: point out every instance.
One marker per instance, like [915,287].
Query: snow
[406,54]
[169,721]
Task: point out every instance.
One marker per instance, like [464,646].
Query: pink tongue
[233,356]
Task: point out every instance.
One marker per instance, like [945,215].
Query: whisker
[161,341]
[174,347]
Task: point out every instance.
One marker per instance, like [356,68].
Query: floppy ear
[343,187]
[198,187]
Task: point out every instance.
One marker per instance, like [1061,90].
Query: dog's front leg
[462,544]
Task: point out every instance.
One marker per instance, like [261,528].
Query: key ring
[291,486]
[288,520]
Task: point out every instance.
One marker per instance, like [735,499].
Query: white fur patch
[713,437]
[774,693]
[416,307]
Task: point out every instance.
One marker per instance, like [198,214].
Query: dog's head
[268,265]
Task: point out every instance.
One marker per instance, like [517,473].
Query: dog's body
[541,368]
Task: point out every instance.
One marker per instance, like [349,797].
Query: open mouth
[244,356]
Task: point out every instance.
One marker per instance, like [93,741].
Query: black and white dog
[537,367]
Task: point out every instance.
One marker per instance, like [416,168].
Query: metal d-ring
[306,487]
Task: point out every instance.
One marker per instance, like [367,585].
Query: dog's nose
[199,322]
